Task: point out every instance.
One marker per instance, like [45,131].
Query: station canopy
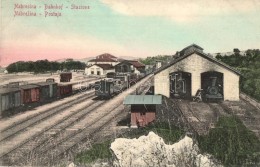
[143,99]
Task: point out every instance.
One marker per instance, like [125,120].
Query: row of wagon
[14,95]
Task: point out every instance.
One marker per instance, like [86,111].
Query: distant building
[130,66]
[99,69]
[104,59]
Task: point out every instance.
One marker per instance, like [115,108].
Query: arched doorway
[212,85]
[180,85]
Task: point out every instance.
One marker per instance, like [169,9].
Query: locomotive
[180,85]
[114,84]
[214,90]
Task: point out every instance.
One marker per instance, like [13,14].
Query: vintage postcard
[130,83]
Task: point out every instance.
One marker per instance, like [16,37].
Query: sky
[135,28]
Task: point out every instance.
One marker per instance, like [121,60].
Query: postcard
[130,83]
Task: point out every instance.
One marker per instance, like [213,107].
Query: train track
[184,118]
[65,144]
[95,129]
[59,138]
[20,127]
[34,119]
[45,136]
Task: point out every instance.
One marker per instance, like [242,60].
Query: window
[92,72]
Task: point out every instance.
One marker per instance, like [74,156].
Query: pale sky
[137,28]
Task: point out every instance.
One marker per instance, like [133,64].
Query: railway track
[58,129]
[67,143]
[61,137]
[36,118]
[95,129]
[184,118]
[29,123]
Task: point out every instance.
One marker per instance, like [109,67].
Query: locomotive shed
[192,70]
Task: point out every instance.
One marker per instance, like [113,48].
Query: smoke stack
[158,64]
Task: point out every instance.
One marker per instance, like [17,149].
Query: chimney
[158,64]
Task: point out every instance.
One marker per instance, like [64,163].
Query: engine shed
[143,108]
[191,70]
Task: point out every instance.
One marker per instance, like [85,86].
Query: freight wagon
[48,90]
[30,93]
[9,98]
[64,90]
[65,77]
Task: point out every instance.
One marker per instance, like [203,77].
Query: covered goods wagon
[64,90]
[65,77]
[9,98]
[30,93]
[48,90]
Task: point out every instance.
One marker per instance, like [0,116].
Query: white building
[193,70]
[99,69]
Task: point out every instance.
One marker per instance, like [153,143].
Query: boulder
[151,150]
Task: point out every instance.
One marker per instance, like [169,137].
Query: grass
[98,151]
[231,143]
[169,133]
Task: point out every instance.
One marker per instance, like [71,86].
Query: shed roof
[204,55]
[45,83]
[29,86]
[143,99]
[8,90]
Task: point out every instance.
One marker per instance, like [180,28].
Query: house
[143,108]
[104,59]
[99,69]
[192,71]
[130,66]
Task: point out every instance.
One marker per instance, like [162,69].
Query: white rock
[151,150]
[72,165]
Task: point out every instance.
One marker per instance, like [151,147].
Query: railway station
[192,71]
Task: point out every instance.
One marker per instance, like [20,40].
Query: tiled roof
[136,63]
[106,55]
[103,60]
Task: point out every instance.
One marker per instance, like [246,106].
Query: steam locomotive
[114,84]
[214,89]
[180,85]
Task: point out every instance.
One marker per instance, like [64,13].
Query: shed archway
[212,86]
[180,85]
